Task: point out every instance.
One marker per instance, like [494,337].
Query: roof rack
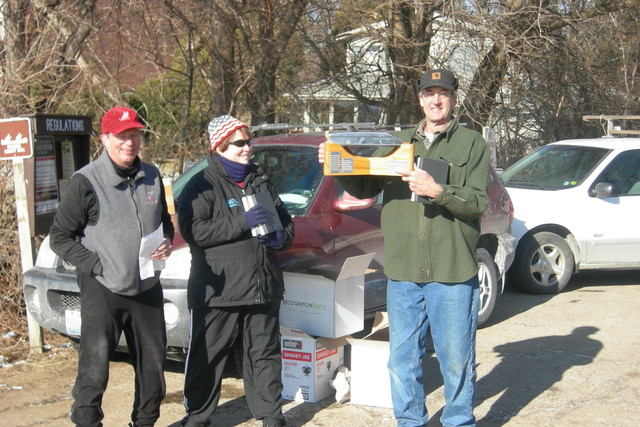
[613,129]
[316,127]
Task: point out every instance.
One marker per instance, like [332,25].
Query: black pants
[213,331]
[105,316]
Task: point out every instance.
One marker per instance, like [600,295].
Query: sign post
[16,144]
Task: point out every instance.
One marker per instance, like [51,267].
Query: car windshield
[294,169]
[554,167]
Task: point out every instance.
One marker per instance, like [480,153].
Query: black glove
[255,216]
[273,240]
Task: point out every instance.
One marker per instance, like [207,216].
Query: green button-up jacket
[433,242]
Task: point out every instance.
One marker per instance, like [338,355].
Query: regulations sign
[15,138]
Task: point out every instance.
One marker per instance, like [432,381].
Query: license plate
[72,321]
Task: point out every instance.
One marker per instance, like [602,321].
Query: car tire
[488,280]
[543,263]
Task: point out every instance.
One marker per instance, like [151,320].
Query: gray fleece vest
[126,213]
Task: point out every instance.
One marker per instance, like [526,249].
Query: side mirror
[348,203]
[603,189]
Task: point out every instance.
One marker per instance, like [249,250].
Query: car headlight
[171,314]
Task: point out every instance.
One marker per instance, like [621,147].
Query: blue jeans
[451,311]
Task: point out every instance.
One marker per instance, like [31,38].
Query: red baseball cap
[119,119]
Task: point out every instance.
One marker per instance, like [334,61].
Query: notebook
[438,169]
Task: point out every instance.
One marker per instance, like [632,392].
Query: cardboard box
[340,161]
[370,384]
[339,158]
[326,301]
[308,365]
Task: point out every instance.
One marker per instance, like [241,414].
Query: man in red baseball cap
[120,125]
[108,209]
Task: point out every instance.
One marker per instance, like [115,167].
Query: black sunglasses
[241,143]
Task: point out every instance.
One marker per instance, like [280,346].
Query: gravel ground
[563,360]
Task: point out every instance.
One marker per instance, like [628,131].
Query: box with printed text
[326,301]
[307,365]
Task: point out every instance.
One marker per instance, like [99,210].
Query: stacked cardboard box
[307,366]
[321,305]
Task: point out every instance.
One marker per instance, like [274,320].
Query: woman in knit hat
[235,284]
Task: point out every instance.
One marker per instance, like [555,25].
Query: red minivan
[330,226]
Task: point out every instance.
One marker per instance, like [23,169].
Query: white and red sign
[15,139]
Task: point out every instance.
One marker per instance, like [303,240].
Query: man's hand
[321,153]
[163,251]
[420,182]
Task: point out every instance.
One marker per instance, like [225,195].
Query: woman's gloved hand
[255,216]
[273,240]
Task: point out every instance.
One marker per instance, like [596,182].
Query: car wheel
[543,263]
[488,279]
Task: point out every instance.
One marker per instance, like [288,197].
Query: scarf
[237,171]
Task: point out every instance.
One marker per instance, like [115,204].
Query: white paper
[148,245]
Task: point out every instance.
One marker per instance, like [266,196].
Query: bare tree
[240,45]
[46,54]
[542,74]
[367,45]
[522,31]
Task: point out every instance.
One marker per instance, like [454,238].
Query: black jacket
[229,267]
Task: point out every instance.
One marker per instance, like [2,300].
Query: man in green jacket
[430,255]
